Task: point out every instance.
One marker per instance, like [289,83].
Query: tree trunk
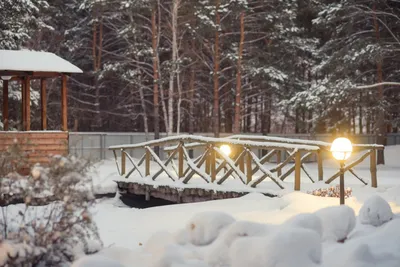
[236,129]
[155,77]
[380,123]
[216,71]
[174,61]
[360,114]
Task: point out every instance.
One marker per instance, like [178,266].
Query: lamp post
[6,78]
[341,149]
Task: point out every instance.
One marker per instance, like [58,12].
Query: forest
[265,66]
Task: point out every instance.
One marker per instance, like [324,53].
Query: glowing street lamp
[341,149]
[226,149]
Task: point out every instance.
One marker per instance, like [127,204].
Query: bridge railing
[213,166]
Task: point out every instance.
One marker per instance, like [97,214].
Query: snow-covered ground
[296,229]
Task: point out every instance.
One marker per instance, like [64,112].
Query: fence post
[212,156]
[320,165]
[180,160]
[372,167]
[241,161]
[297,171]
[208,160]
[249,171]
[147,163]
[123,162]
[278,161]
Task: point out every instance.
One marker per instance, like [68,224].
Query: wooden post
[180,160]
[123,162]
[28,103]
[23,108]
[241,161]
[43,102]
[372,166]
[208,162]
[5,105]
[320,166]
[297,169]
[278,161]
[249,171]
[212,165]
[64,115]
[147,162]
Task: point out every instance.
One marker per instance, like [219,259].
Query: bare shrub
[53,225]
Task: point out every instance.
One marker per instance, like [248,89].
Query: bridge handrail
[201,140]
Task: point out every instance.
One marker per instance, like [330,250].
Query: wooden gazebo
[22,67]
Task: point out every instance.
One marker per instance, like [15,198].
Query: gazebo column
[64,117]
[28,103]
[43,101]
[5,105]
[23,107]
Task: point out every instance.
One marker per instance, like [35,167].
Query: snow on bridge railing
[243,165]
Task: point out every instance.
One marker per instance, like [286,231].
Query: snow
[26,60]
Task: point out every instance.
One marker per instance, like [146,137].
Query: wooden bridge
[253,161]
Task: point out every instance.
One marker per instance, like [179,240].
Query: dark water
[139,202]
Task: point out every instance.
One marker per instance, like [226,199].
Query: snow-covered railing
[213,166]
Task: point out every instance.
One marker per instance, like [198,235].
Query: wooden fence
[213,166]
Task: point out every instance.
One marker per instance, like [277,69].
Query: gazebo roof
[18,62]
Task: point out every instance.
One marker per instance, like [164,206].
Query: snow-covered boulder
[337,222]
[375,211]
[203,228]
[96,261]
[305,220]
[287,247]
[217,254]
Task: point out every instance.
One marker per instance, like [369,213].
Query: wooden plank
[64,111]
[297,171]
[374,180]
[28,103]
[5,105]
[43,104]
[37,148]
[33,135]
[46,153]
[34,141]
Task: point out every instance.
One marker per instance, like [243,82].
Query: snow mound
[337,222]
[157,242]
[375,211]
[217,254]
[96,261]
[307,221]
[286,248]
[176,255]
[205,227]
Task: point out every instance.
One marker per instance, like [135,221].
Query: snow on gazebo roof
[34,61]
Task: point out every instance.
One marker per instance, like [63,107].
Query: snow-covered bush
[217,255]
[307,221]
[333,191]
[53,226]
[204,227]
[375,211]
[337,222]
